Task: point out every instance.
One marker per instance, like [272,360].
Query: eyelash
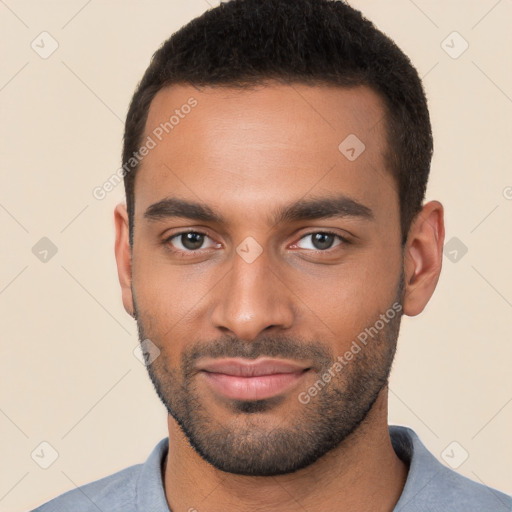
[188,253]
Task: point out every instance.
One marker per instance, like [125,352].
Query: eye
[188,241]
[320,241]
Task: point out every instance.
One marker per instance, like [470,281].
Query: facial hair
[317,427]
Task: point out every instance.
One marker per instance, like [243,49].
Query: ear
[423,256]
[123,256]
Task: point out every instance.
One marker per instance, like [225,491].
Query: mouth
[254,380]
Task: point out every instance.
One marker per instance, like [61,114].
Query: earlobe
[123,257]
[423,256]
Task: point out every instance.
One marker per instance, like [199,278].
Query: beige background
[69,375]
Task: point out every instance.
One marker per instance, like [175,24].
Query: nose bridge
[252,298]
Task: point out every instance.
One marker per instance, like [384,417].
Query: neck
[362,473]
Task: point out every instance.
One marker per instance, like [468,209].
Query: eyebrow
[304,209]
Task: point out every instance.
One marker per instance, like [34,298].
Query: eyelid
[167,240]
[343,239]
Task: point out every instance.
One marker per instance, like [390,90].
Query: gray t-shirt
[430,486]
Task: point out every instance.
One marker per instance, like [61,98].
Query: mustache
[275,346]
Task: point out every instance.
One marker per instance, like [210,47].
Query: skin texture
[246,153]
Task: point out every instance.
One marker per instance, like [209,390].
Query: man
[276,156]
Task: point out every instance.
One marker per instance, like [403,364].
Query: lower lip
[252,388]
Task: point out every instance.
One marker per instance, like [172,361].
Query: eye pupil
[192,240]
[323,240]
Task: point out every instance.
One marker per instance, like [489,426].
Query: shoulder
[433,487]
[113,493]
[469,495]
[136,488]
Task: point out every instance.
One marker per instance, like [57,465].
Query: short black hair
[245,43]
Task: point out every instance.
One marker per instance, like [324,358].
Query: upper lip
[242,368]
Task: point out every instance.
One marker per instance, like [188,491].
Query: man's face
[249,282]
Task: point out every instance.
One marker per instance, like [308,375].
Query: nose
[252,299]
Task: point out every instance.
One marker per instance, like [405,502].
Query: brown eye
[189,241]
[322,240]
[319,241]
[192,241]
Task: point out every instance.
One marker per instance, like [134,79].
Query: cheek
[345,299]
[167,295]
[335,302]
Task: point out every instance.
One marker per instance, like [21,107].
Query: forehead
[255,147]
